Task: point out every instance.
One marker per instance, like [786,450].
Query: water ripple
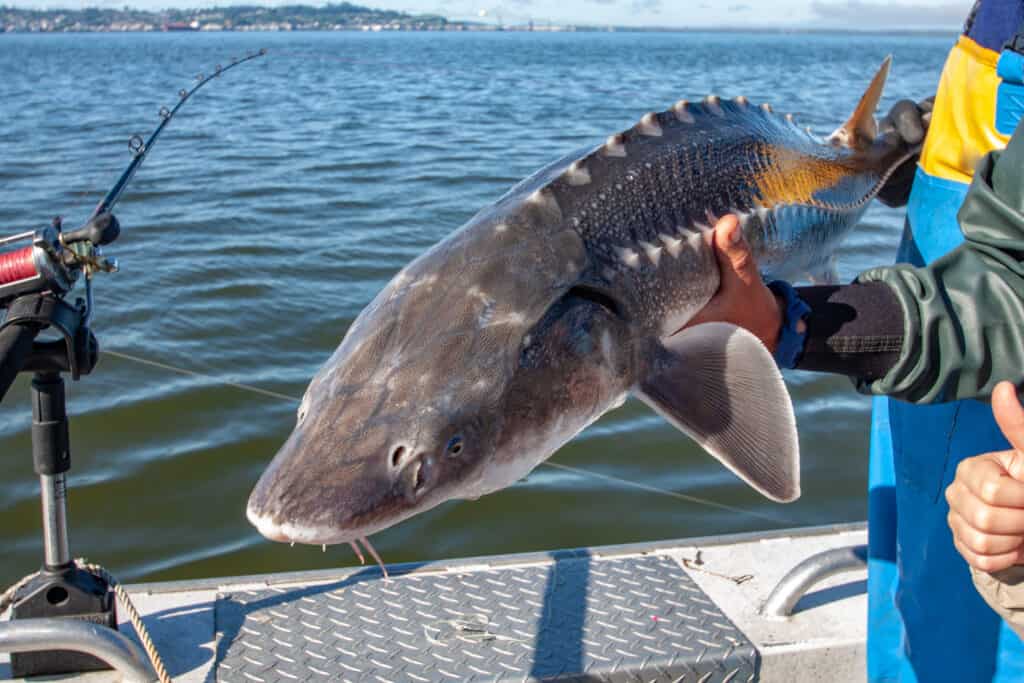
[282,200]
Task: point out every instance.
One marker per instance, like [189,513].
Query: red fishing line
[17,265]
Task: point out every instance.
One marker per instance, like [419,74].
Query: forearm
[855,330]
[964,313]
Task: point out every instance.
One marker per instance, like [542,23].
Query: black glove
[904,126]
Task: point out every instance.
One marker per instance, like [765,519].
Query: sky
[698,13]
[855,14]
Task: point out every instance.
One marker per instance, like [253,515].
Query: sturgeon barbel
[498,345]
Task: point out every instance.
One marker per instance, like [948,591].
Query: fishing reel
[38,269]
[50,260]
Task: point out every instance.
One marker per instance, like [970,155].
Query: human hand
[742,297]
[986,498]
[904,126]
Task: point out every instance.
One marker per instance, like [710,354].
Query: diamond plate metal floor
[570,619]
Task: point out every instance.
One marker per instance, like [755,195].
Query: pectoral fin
[718,384]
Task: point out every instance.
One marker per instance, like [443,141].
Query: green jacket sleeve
[964,313]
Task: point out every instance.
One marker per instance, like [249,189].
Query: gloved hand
[905,125]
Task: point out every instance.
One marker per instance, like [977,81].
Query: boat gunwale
[487,561]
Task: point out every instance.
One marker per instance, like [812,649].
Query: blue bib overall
[926,621]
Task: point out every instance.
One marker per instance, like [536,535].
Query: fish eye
[454,447]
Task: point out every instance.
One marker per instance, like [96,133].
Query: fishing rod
[140,149]
[51,260]
[38,268]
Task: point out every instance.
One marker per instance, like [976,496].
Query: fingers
[985,478]
[1010,416]
[981,515]
[988,563]
[980,542]
[734,258]
[742,298]
[986,511]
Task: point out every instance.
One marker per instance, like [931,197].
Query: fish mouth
[286,532]
[290,533]
[278,524]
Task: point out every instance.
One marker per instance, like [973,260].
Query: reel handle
[100,230]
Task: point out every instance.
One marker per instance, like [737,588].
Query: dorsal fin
[861,128]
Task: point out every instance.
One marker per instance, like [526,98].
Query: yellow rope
[8,596]
[133,616]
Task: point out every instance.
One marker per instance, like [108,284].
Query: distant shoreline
[345,16]
[951,32]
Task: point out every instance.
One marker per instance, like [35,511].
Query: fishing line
[776,519]
[140,148]
[674,494]
[200,375]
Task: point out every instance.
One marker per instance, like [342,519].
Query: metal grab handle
[113,647]
[816,568]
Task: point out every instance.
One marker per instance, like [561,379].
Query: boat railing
[811,571]
[113,647]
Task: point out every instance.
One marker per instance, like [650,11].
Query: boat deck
[683,610]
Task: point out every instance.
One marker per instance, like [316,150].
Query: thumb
[734,258]
[1010,416]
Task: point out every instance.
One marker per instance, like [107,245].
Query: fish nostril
[420,478]
[397,455]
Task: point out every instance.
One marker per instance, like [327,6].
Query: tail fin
[861,128]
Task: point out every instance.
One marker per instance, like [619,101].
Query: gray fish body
[503,341]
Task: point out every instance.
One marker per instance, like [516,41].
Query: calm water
[280,201]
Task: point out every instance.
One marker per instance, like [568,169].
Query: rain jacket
[964,313]
[964,319]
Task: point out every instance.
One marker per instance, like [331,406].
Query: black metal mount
[61,589]
[70,593]
[76,352]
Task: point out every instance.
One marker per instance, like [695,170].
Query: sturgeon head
[498,345]
[475,362]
